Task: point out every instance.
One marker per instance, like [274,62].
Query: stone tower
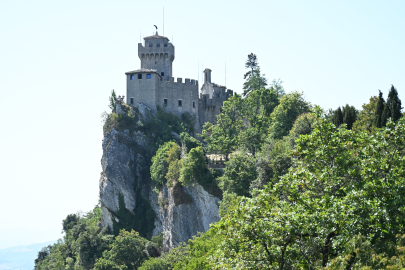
[157,54]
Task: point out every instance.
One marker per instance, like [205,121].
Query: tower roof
[142,70]
[155,37]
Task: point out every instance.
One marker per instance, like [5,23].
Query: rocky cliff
[177,213]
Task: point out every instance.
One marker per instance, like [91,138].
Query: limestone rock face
[177,219]
[180,221]
[118,163]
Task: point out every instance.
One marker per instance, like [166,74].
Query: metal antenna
[202,71]
[225,72]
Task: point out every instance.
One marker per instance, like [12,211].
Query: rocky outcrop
[120,164]
[180,212]
[179,221]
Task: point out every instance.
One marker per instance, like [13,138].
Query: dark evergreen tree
[393,107]
[254,80]
[386,114]
[251,64]
[337,119]
[378,120]
[349,115]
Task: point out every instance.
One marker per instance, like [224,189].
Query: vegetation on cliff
[301,188]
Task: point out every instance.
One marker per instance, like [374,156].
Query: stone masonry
[154,85]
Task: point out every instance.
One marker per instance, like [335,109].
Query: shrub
[160,162]
[189,142]
[193,167]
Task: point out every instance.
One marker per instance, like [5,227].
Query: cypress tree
[349,115]
[394,104]
[337,119]
[379,111]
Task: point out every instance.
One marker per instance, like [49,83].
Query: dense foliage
[300,188]
[343,185]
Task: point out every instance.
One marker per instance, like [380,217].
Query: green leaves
[342,185]
[193,167]
[239,172]
[128,251]
[160,162]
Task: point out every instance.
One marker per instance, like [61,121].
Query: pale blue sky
[59,61]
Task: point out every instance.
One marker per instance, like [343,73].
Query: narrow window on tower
[158,45]
[180,103]
[139,76]
[150,45]
[131,100]
[162,74]
[165,101]
[193,104]
[148,76]
[165,45]
[132,76]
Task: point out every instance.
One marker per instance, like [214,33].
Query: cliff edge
[128,198]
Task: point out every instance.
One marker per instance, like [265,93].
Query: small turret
[207,75]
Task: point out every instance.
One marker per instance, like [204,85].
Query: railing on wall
[214,160]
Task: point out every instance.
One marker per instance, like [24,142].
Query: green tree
[379,120]
[113,101]
[393,107]
[167,260]
[285,114]
[160,163]
[188,142]
[84,241]
[349,115]
[173,172]
[69,222]
[193,167]
[339,188]
[337,118]
[199,250]
[254,80]
[365,118]
[303,125]
[239,173]
[128,251]
[256,111]
[276,84]
[222,137]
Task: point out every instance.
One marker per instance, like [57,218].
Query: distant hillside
[20,257]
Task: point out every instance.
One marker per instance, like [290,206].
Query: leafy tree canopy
[343,186]
[285,114]
[365,118]
[239,172]
[160,162]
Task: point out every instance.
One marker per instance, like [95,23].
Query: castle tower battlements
[154,85]
[157,54]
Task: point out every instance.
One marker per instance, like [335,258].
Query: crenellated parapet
[157,53]
[153,85]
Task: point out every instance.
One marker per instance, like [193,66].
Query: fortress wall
[209,108]
[143,90]
[186,91]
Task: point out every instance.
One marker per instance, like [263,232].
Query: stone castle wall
[153,85]
[157,54]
